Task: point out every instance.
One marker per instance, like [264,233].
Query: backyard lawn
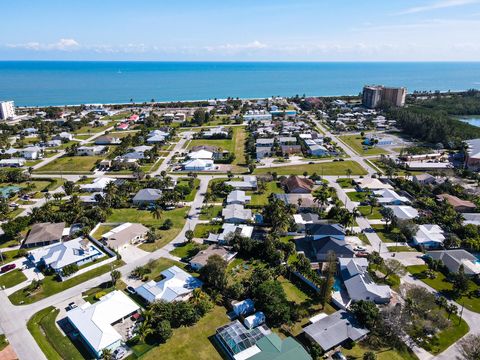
[211,211]
[193,342]
[146,218]
[357,351]
[70,164]
[12,278]
[188,250]
[445,287]
[327,168]
[384,235]
[271,187]
[355,142]
[345,183]
[51,341]
[51,286]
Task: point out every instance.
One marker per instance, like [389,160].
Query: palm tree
[47,196]
[321,197]
[107,354]
[373,202]
[156,212]
[348,172]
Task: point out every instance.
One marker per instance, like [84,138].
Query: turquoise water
[337,285]
[472,120]
[59,83]
[5,191]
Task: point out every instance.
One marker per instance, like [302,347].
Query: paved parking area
[130,253]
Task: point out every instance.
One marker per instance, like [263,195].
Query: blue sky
[241,30]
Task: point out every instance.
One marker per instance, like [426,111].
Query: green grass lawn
[202,230]
[358,196]
[211,211]
[400,248]
[384,235]
[51,286]
[193,193]
[367,212]
[10,255]
[12,278]
[102,229]
[345,183]
[146,218]
[188,250]
[447,337]
[193,342]
[445,287]
[271,187]
[51,341]
[70,164]
[357,351]
[355,142]
[328,168]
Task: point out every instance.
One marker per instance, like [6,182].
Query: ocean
[31,83]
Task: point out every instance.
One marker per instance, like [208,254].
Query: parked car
[338,355]
[362,254]
[71,306]
[359,248]
[119,353]
[131,290]
[8,267]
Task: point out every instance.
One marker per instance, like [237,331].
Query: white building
[177,285]
[7,110]
[429,236]
[90,150]
[98,185]
[95,322]
[198,165]
[403,212]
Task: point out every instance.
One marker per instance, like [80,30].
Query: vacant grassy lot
[193,192]
[12,278]
[369,213]
[188,250]
[400,248]
[146,218]
[327,168]
[357,351]
[355,142]
[271,187]
[71,164]
[384,235]
[211,211]
[202,230]
[51,286]
[53,343]
[358,196]
[445,287]
[345,183]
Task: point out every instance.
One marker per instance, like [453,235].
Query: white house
[94,322]
[403,212]
[228,230]
[198,165]
[238,197]
[98,185]
[390,197]
[177,285]
[90,150]
[31,152]
[249,183]
[201,154]
[13,162]
[78,251]
[429,236]
[63,136]
[236,214]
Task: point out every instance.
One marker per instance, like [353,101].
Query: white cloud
[437,5]
[62,45]
[254,45]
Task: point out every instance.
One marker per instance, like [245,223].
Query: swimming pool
[5,191]
[337,285]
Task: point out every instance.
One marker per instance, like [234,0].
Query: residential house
[31,153]
[301,220]
[453,259]
[53,143]
[291,149]
[390,197]
[424,179]
[176,285]
[56,256]
[63,136]
[198,165]
[42,234]
[249,183]
[200,154]
[268,143]
[263,152]
[107,140]
[200,260]
[236,214]
[319,231]
[403,212]
[367,183]
[228,231]
[95,322]
[238,197]
[298,185]
[458,204]
[287,140]
[12,162]
[302,201]
[359,284]
[318,150]
[98,184]
[319,250]
[335,329]
[429,236]
[471,218]
[125,234]
[146,197]
[472,159]
[216,132]
[91,150]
